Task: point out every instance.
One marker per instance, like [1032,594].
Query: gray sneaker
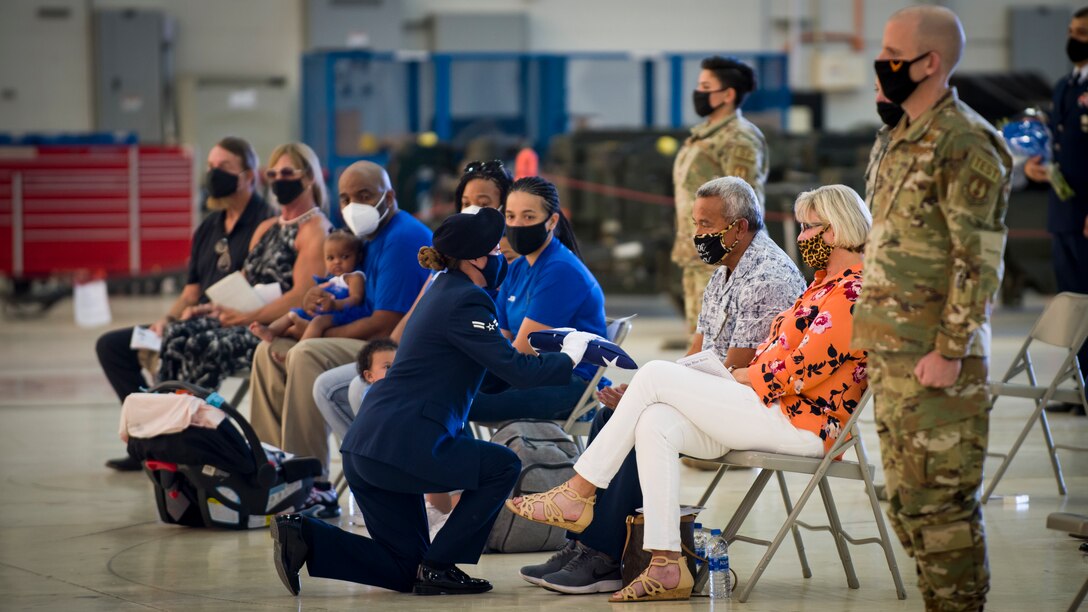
[534,574]
[588,572]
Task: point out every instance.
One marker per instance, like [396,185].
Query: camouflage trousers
[695,279]
[933,443]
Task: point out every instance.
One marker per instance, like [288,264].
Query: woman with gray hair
[793,398]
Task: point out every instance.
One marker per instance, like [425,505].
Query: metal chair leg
[836,532]
[878,516]
[772,548]
[1052,451]
[737,520]
[1079,599]
[806,571]
[713,485]
[240,394]
[1039,405]
[340,483]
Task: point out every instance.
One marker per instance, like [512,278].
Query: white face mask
[363,219]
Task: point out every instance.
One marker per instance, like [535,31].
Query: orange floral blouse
[806,363]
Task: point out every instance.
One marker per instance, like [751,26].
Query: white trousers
[670,409]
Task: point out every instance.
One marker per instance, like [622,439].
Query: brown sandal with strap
[553,514]
[652,588]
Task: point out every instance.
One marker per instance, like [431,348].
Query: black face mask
[1077,50]
[220,183]
[710,247]
[287,191]
[527,238]
[701,99]
[889,113]
[494,271]
[895,81]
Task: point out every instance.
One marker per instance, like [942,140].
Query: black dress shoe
[447,581]
[127,463]
[290,551]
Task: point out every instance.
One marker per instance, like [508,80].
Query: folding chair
[616,332]
[1063,324]
[821,470]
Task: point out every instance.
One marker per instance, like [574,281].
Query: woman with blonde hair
[212,341]
[793,398]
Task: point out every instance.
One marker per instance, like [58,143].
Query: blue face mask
[494,272]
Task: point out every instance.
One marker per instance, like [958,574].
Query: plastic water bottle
[700,544]
[721,581]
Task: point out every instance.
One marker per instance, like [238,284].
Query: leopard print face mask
[814,251]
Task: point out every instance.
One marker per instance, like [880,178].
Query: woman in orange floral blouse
[793,398]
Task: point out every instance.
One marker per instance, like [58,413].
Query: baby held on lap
[341,303]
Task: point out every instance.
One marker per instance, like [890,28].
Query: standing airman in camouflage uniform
[933,263]
[726,144]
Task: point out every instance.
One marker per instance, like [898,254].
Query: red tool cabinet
[124,209]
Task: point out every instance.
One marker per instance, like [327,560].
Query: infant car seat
[221,477]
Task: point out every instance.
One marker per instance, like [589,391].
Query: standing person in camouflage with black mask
[933,265]
[726,144]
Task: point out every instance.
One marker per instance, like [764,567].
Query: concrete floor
[77,536]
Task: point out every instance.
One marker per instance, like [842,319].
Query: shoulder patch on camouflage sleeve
[982,176]
[976,189]
[984,167]
[745,153]
[740,172]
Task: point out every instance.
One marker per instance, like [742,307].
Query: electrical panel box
[133,61]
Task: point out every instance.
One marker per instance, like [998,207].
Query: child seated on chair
[342,281]
[372,362]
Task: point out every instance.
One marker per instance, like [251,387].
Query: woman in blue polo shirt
[547,287]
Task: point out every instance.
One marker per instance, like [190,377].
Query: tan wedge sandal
[553,514]
[654,590]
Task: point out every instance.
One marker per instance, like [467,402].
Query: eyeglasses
[487,167]
[287,173]
[808,226]
[222,249]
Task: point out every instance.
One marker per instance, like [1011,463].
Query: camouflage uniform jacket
[933,260]
[880,147]
[733,146]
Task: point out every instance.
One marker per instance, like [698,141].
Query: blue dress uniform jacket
[1069,131]
[415,417]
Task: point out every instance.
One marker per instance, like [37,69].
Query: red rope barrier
[638,196]
[660,200]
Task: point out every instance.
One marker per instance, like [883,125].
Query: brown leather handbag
[635,559]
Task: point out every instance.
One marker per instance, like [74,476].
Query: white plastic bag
[92,304]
